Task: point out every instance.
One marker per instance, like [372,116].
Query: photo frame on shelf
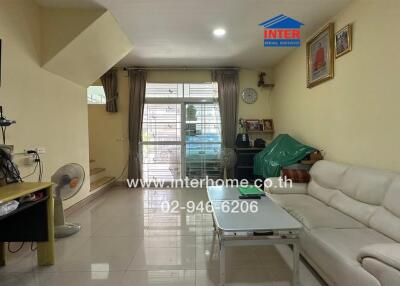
[268,125]
[253,125]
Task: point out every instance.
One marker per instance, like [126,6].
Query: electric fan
[228,160]
[68,180]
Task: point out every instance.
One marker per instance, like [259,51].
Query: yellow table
[21,223]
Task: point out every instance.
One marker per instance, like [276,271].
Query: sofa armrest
[278,186]
[387,253]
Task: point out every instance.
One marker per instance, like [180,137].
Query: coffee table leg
[296,259]
[222,263]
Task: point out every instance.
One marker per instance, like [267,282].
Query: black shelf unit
[244,163]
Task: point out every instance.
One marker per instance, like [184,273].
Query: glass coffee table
[250,222]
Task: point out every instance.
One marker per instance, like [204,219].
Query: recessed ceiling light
[219,32]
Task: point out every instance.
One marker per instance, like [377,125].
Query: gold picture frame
[344,40]
[320,56]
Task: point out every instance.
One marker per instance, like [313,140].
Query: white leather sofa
[351,219]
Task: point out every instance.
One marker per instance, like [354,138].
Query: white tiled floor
[127,240]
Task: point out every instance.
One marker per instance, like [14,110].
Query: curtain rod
[178,68]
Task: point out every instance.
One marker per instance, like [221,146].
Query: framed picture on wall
[320,58]
[343,41]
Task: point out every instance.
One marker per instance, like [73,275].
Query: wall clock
[249,95]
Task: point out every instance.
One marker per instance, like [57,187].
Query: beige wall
[50,111]
[90,54]
[109,132]
[355,116]
[61,26]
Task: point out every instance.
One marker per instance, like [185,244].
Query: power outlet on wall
[30,160]
[40,150]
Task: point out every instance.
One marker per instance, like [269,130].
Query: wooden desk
[33,221]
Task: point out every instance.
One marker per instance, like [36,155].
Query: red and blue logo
[281,31]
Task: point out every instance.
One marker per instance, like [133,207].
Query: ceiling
[179,32]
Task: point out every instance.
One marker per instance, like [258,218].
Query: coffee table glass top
[268,217]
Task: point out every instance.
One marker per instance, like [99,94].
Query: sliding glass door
[161,136]
[181,132]
[203,141]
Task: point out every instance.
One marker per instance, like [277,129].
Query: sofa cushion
[328,174]
[321,193]
[365,184]
[277,186]
[296,200]
[387,218]
[296,175]
[386,222]
[388,253]
[323,217]
[335,252]
[392,197]
[356,209]
[347,243]
[386,275]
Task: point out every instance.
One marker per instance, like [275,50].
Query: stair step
[101,182]
[95,171]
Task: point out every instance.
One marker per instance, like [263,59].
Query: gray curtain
[110,85]
[137,90]
[228,92]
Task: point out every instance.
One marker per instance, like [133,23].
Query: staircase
[98,178]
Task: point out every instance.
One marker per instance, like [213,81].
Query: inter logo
[281,31]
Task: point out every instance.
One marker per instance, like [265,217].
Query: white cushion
[321,193]
[323,217]
[388,253]
[328,174]
[385,274]
[335,252]
[277,186]
[386,222]
[296,200]
[365,184]
[356,209]
[392,199]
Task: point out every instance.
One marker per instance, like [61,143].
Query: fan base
[65,230]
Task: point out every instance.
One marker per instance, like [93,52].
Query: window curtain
[228,91]
[137,90]
[110,85]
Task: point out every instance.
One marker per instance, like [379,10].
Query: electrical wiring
[8,168]
[16,250]
[33,172]
[123,171]
[38,160]
[3,132]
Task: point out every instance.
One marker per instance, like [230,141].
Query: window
[96,95]
[180,90]
[181,131]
